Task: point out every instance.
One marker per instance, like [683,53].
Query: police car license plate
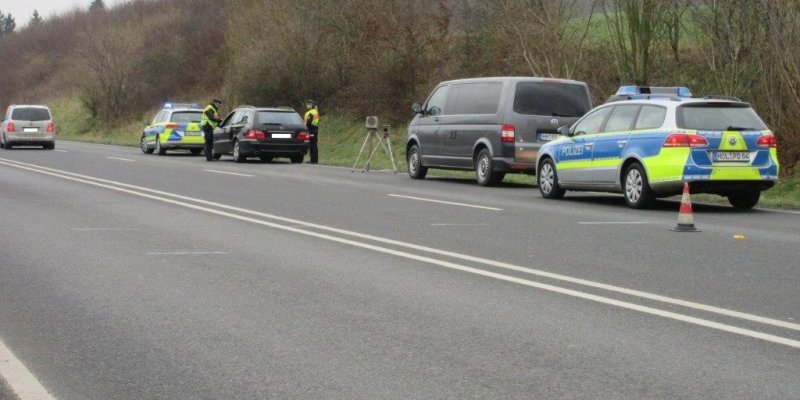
[191,133]
[546,137]
[30,130]
[732,156]
[281,135]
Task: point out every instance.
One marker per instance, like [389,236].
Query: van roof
[515,79]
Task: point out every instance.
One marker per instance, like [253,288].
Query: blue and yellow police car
[176,126]
[646,142]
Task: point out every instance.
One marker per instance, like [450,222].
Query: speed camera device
[371,122]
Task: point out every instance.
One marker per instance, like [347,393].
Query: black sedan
[263,132]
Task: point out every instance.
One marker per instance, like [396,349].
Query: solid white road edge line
[228,173]
[498,264]
[121,159]
[444,202]
[19,378]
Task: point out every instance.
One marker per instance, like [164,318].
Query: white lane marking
[19,378]
[102,229]
[61,151]
[688,304]
[228,173]
[458,224]
[444,202]
[612,223]
[121,159]
[185,253]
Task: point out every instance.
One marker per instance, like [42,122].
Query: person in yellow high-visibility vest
[208,121]
[312,123]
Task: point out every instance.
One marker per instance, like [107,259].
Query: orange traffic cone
[685,217]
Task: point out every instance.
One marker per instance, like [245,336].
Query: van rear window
[551,99]
[30,114]
[719,117]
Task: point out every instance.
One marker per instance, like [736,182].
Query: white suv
[28,125]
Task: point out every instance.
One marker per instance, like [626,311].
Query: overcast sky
[22,10]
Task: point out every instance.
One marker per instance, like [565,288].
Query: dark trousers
[314,132]
[208,133]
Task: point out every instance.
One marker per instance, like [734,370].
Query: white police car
[176,126]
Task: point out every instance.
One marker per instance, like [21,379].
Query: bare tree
[637,29]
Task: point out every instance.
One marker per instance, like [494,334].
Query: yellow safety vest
[205,120]
[314,116]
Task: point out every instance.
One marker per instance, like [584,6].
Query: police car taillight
[685,140]
[507,133]
[172,125]
[304,136]
[767,141]
[255,134]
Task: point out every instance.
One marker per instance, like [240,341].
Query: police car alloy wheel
[636,188]
[548,181]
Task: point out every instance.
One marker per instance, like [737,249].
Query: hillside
[110,69]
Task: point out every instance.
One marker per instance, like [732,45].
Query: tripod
[387,148]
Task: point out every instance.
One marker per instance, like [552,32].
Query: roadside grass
[339,145]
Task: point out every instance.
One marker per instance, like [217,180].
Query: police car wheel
[483,170]
[415,168]
[159,150]
[635,187]
[548,180]
[143,146]
[744,200]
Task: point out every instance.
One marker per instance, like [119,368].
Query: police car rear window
[30,114]
[551,99]
[718,117]
[186,116]
[279,118]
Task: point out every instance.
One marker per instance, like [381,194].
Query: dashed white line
[445,202]
[229,173]
[612,223]
[185,253]
[458,224]
[19,378]
[121,159]
[61,151]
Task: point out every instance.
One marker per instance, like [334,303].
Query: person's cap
[311,102]
[216,101]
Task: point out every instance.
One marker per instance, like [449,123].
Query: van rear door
[540,108]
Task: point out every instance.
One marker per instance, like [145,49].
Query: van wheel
[483,170]
[548,180]
[415,168]
[744,200]
[159,150]
[636,189]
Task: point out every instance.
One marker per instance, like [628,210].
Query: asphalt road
[133,276]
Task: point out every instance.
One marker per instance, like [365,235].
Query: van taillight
[51,127]
[304,136]
[507,133]
[10,127]
[767,141]
[685,140]
[255,134]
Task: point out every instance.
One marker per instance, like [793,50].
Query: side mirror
[417,108]
[564,131]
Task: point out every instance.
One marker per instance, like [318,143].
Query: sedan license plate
[546,137]
[30,130]
[731,156]
[281,136]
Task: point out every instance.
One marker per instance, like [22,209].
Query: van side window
[622,118]
[435,103]
[459,99]
[651,117]
[551,99]
[473,98]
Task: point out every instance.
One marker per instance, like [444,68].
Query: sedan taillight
[304,136]
[11,127]
[255,134]
[51,127]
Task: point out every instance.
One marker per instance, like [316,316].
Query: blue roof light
[167,105]
[684,91]
[627,90]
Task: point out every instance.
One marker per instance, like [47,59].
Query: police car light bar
[632,90]
[181,105]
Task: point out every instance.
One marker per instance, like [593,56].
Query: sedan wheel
[237,154]
[637,190]
[548,181]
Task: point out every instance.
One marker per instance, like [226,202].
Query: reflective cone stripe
[685,216]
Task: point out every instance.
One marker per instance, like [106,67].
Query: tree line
[364,57]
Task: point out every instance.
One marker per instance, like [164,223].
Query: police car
[646,142]
[176,126]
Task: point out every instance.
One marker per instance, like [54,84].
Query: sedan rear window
[551,99]
[719,117]
[30,114]
[187,116]
[279,118]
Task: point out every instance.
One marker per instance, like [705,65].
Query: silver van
[28,125]
[491,125]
